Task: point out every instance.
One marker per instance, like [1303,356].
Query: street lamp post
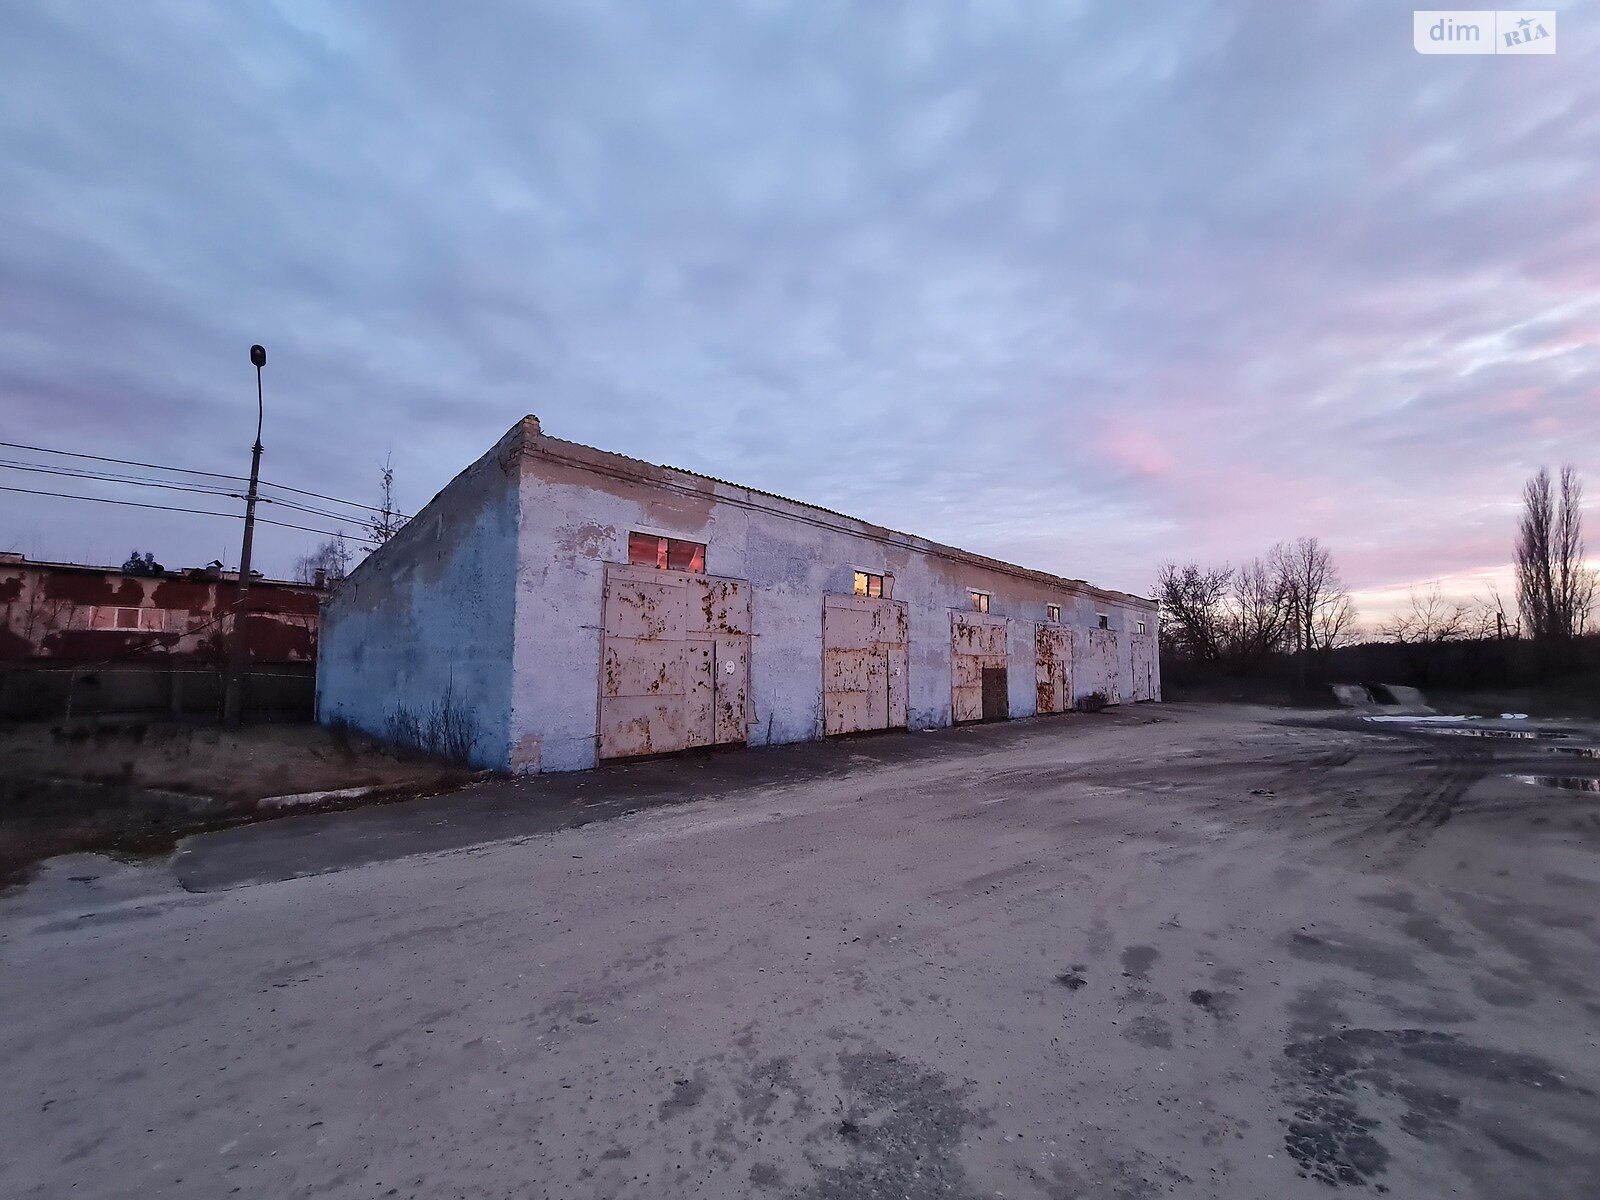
[233,694]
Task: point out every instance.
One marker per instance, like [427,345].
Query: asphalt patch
[1345,1084]
[903,1128]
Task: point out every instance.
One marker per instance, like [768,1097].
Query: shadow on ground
[504,809]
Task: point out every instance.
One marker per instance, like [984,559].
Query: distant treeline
[1472,664]
[1288,615]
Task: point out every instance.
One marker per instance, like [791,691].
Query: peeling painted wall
[545,520]
[579,506]
[426,623]
[64,613]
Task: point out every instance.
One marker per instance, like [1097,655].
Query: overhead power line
[238,479]
[108,477]
[204,512]
[126,462]
[204,489]
[352,503]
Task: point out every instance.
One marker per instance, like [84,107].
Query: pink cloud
[1135,447]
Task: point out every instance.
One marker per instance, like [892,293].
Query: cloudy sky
[1086,287]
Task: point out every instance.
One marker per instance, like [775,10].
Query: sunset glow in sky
[1082,287]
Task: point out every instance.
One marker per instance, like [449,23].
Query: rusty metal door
[977,646]
[1053,668]
[675,661]
[719,631]
[996,694]
[866,660]
[1101,670]
[1143,647]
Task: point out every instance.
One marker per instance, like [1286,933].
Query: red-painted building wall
[68,614]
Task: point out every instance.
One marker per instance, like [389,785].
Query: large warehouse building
[556,605]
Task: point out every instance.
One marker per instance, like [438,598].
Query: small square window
[1105,621]
[1053,612]
[980,601]
[665,553]
[1139,627]
[868,584]
[128,618]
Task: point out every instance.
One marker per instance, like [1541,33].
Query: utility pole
[233,694]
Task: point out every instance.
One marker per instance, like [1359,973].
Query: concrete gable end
[416,643]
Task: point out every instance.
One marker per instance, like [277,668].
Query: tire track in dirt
[1405,827]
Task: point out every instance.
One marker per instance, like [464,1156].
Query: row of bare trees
[1430,617]
[1236,618]
[1554,584]
[1291,604]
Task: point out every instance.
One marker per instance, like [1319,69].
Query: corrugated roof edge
[527,436]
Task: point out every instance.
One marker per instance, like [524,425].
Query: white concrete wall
[578,507]
[427,619]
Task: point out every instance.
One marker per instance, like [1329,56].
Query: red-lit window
[668,554]
[868,584]
[980,600]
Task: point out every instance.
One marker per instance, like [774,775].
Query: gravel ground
[1194,951]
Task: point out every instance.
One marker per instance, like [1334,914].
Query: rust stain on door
[866,661]
[977,668]
[1053,668]
[1143,648]
[1098,665]
[675,661]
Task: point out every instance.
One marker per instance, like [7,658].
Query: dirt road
[1163,951]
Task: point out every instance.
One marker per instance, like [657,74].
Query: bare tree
[331,558]
[1488,616]
[1320,610]
[1429,619]
[1555,588]
[1336,626]
[1258,613]
[388,519]
[1192,616]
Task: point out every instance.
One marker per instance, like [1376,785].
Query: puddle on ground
[1521,735]
[1457,727]
[1567,783]
[1579,751]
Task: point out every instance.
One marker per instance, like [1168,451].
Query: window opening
[666,553]
[868,584]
